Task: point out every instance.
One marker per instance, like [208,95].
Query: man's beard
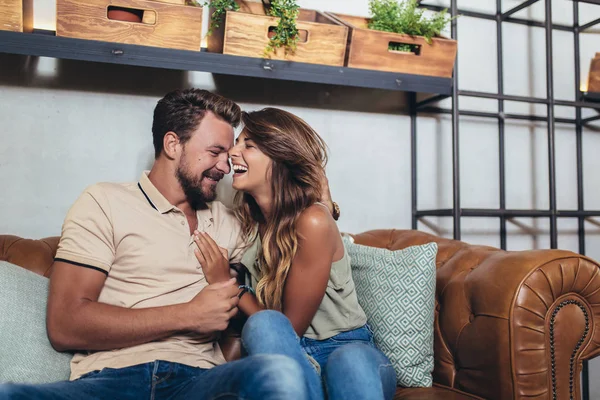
[195,193]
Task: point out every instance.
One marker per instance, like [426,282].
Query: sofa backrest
[34,255]
[487,301]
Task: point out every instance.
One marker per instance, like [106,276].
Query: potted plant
[406,18]
[398,37]
[284,35]
[593,85]
[276,29]
[286,32]
[218,8]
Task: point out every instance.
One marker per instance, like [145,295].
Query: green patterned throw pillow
[396,289]
[26,355]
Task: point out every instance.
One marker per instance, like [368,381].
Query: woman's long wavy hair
[299,156]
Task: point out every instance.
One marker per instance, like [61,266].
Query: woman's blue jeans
[351,366]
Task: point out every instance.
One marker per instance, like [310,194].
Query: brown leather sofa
[509,325]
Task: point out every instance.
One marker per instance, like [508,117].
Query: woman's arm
[308,277]
[249,304]
[215,265]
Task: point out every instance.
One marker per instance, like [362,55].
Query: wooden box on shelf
[167,23]
[16,15]
[594,76]
[370,49]
[322,40]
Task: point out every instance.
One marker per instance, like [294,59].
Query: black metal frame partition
[456,212]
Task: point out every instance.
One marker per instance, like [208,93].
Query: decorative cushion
[26,355]
[396,289]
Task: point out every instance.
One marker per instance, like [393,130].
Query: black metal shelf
[498,115]
[481,212]
[582,101]
[592,97]
[45,44]
[515,213]
[498,17]
[589,1]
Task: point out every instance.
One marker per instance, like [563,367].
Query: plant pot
[16,15]
[124,14]
[166,23]
[321,39]
[594,75]
[374,50]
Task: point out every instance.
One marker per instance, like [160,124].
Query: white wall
[66,125]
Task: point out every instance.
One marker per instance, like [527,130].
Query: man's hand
[213,259]
[212,308]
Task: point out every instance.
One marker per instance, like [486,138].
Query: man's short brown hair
[181,111]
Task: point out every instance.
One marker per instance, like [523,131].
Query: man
[127,292]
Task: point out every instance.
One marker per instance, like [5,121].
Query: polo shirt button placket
[193,244]
[207,224]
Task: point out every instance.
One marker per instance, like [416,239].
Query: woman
[297,262]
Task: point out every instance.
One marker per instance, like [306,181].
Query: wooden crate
[16,15]
[246,33]
[164,24]
[369,49]
[594,76]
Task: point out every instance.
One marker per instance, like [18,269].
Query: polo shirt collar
[153,195]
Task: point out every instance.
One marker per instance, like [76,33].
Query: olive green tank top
[338,312]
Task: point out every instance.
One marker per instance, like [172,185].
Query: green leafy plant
[285,33]
[407,18]
[220,7]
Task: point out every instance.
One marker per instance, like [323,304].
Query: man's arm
[77,321]
[86,252]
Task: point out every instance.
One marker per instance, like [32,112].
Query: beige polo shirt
[143,244]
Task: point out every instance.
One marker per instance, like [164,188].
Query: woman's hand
[213,259]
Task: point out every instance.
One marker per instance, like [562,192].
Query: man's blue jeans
[351,366]
[261,377]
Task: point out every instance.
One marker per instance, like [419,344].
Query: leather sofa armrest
[553,326]
[528,325]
